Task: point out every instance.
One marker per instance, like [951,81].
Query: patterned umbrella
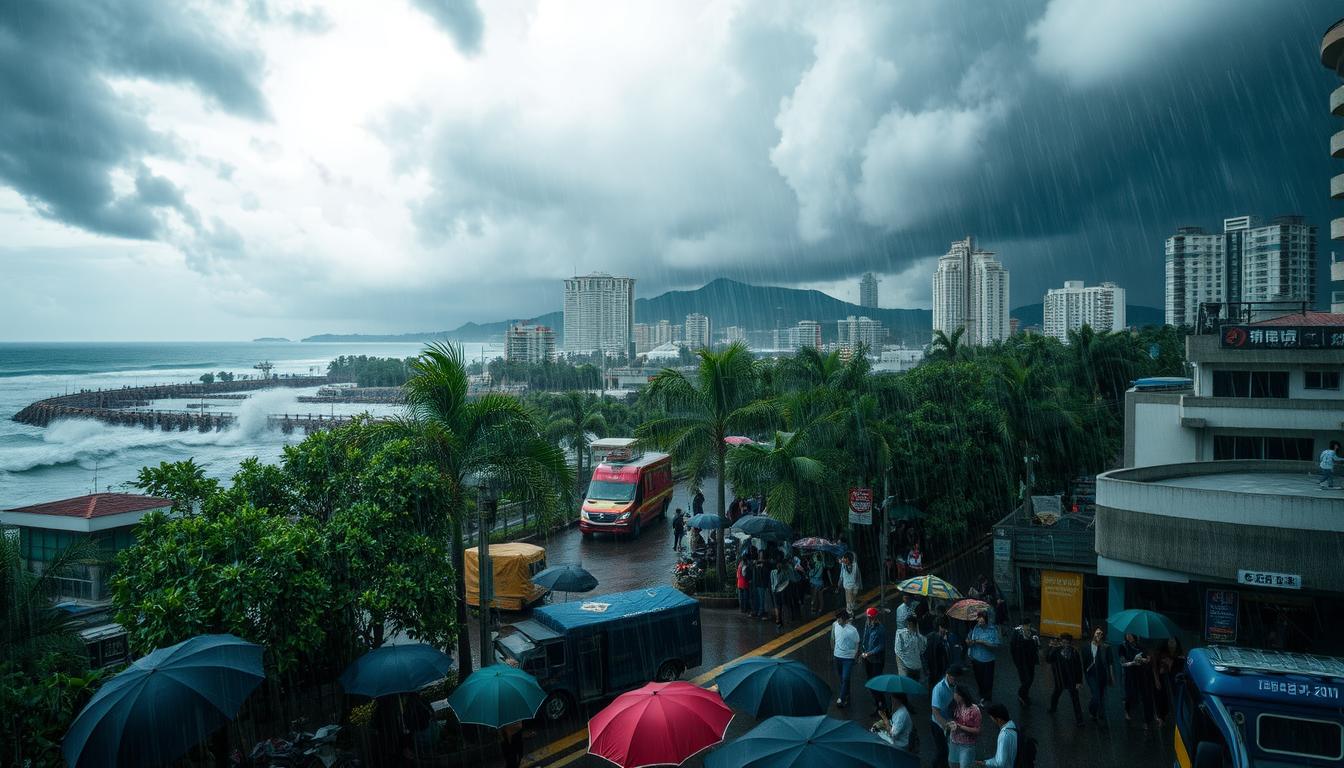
[819,544]
[929,586]
[967,610]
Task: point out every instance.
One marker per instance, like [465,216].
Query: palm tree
[946,347]
[573,417]
[33,632]
[492,438]
[720,400]
[800,489]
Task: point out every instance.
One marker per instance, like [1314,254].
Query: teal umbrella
[765,686]
[1149,625]
[896,684]
[164,704]
[395,669]
[794,742]
[496,696]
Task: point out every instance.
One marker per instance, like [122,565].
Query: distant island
[271,339]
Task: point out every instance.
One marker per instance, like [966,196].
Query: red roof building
[94,505]
[1330,319]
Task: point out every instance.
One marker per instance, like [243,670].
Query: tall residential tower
[868,290]
[599,313]
[1101,307]
[970,291]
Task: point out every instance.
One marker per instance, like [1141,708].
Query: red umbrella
[738,440]
[659,724]
[967,609]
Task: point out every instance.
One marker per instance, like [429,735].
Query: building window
[1322,380]
[1226,447]
[1250,384]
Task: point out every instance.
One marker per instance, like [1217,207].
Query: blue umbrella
[1149,625]
[764,687]
[762,527]
[787,742]
[896,684]
[164,704]
[395,669]
[565,578]
[496,696]
[705,522]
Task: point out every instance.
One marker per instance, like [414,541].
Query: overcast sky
[219,170]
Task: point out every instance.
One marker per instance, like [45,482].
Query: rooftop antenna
[95,476]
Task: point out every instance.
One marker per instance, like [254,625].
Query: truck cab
[598,648]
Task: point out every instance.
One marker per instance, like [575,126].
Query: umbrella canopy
[395,669]
[738,440]
[816,543]
[762,527]
[567,577]
[659,724]
[786,742]
[929,586]
[1149,625]
[967,610]
[705,521]
[764,687]
[496,696]
[165,703]
[896,684]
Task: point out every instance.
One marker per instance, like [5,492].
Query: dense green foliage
[553,376]
[370,371]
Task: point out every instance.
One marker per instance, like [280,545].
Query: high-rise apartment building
[1102,307]
[529,344]
[970,291]
[1332,56]
[807,333]
[735,333]
[868,290]
[853,331]
[643,337]
[697,331]
[599,313]
[1249,261]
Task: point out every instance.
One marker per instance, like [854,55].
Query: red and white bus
[630,487]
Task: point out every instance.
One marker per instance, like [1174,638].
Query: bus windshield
[606,490]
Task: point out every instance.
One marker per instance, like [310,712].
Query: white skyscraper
[1249,261]
[970,291]
[1102,307]
[697,331]
[735,333]
[853,331]
[868,290]
[807,333]
[599,313]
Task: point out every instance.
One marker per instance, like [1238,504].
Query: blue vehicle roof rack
[1230,659]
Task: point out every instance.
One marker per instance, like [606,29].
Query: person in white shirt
[1328,458]
[910,647]
[849,581]
[1005,751]
[905,609]
[896,728]
[844,649]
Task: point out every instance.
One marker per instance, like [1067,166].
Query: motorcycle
[299,749]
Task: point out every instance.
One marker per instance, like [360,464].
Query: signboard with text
[1282,337]
[1061,603]
[860,506]
[1269,579]
[1220,616]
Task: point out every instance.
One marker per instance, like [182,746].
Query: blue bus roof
[1246,673]
[597,610]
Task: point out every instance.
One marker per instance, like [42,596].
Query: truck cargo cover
[598,610]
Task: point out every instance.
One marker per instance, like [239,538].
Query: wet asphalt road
[622,564]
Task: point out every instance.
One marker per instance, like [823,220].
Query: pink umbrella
[738,440]
[659,724]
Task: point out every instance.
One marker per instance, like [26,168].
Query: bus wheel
[668,671]
[556,706]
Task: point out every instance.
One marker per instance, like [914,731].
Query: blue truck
[596,648]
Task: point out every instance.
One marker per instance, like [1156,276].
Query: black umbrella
[395,669]
[565,578]
[765,528]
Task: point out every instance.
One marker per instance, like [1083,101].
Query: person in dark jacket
[760,587]
[873,651]
[1025,648]
[940,655]
[698,502]
[1138,676]
[1098,672]
[1066,666]
[678,530]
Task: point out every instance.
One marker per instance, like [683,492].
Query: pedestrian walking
[874,653]
[698,502]
[1168,662]
[1136,667]
[844,650]
[760,587]
[1328,459]
[511,744]
[779,586]
[850,581]
[1066,667]
[816,581]
[905,609]
[941,713]
[963,730]
[1099,672]
[938,651]
[983,646]
[797,586]
[896,727]
[1025,648]
[744,585]
[910,649]
[678,530]
[1005,748]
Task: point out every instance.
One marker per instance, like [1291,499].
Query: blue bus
[1245,708]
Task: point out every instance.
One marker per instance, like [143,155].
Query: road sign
[860,506]
[1269,579]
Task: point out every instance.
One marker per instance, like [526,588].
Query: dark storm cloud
[66,134]
[461,19]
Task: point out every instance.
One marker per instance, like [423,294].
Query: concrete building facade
[529,344]
[1102,307]
[807,333]
[697,331]
[853,331]
[1332,57]
[971,292]
[868,290]
[599,313]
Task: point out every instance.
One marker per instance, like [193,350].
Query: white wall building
[697,330]
[971,292]
[599,313]
[853,331]
[529,344]
[807,333]
[868,290]
[1070,308]
[735,333]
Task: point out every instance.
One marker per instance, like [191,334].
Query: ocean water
[74,457]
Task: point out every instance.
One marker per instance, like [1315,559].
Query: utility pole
[485,588]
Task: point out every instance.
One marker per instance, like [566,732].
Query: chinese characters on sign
[860,506]
[1269,579]
[1220,616]
[1282,337]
